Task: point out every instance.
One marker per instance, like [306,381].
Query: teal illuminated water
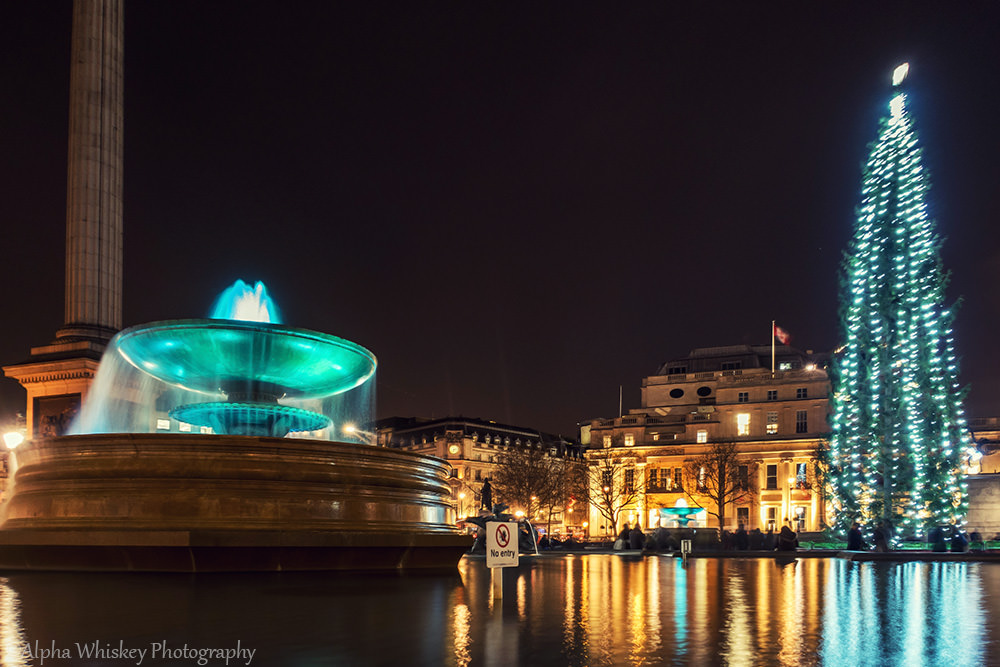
[565,610]
[240,372]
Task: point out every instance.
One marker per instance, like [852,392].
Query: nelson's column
[57,375]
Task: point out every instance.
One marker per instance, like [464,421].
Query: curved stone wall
[210,482]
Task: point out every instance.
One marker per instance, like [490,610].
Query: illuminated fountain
[206,445]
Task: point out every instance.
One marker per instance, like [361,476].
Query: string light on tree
[899,435]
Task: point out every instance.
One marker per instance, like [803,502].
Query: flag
[781,335]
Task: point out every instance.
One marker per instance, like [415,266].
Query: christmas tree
[899,438]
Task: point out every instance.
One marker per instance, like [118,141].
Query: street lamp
[366,437]
[13,439]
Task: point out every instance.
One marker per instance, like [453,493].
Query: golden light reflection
[636,623]
[522,597]
[461,621]
[790,623]
[12,639]
[654,593]
[737,647]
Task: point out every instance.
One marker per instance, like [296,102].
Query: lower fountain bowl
[185,502]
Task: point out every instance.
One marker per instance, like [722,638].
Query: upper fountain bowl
[212,355]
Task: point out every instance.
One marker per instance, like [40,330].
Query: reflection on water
[571,610]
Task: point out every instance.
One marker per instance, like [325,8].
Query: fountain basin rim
[183,367]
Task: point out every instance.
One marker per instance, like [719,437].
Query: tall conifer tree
[899,436]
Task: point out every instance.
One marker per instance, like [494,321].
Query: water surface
[568,610]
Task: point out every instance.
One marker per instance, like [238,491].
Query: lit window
[743,423]
[702,437]
[185,428]
[162,424]
[785,366]
[678,477]
[629,480]
[772,423]
[801,475]
[743,397]
[801,421]
[801,392]
[206,429]
[607,441]
[656,436]
[772,394]
[629,439]
[772,477]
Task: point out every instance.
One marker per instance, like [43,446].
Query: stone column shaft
[94,197]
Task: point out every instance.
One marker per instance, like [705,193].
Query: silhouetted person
[958,542]
[769,539]
[881,537]
[623,536]
[855,541]
[787,540]
[936,538]
[487,492]
[756,539]
[636,538]
[742,539]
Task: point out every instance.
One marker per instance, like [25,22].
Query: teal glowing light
[244,357]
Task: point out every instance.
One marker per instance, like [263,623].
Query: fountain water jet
[118,494]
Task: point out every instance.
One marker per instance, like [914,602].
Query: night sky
[518,206]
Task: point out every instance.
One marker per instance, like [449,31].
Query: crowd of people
[940,538]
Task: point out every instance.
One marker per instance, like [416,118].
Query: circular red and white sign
[503,535]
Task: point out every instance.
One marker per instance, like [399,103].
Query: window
[702,436]
[185,428]
[701,479]
[743,423]
[802,392]
[772,477]
[731,365]
[678,479]
[743,477]
[677,370]
[606,479]
[607,441]
[162,424]
[629,480]
[772,423]
[629,439]
[743,516]
[801,480]
[206,429]
[479,475]
[656,436]
[676,392]
[772,394]
[652,474]
[743,397]
[772,517]
[801,421]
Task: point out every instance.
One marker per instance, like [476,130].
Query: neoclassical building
[777,419]
[472,447]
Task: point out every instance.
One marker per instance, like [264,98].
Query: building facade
[776,418]
[472,447]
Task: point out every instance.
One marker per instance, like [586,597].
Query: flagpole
[772,347]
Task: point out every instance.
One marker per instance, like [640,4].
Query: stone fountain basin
[191,502]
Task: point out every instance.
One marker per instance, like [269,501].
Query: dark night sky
[517,207]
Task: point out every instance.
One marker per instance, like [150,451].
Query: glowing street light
[366,437]
[13,439]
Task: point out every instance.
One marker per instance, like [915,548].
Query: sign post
[501,551]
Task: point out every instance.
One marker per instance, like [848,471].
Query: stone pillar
[94,187]
[58,375]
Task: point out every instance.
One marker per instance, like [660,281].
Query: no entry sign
[501,544]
